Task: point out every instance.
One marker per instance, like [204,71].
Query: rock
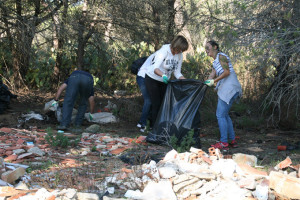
[12,176]
[261,192]
[18,151]
[183,184]
[36,151]
[245,159]
[160,190]
[93,128]
[87,196]
[166,172]
[131,194]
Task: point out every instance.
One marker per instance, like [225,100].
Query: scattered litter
[32,115]
[101,118]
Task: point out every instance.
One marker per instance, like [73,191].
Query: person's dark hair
[214,44]
[180,43]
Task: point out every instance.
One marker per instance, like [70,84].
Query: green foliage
[183,145]
[196,66]
[94,149]
[59,139]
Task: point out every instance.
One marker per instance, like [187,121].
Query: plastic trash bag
[58,114]
[51,105]
[179,112]
[101,117]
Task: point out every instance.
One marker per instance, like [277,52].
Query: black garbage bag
[179,112]
[5,97]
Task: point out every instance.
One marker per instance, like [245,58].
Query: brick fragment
[5,130]
[10,158]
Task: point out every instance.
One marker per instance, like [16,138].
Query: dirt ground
[259,141]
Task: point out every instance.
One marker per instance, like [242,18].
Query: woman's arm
[212,74]
[224,63]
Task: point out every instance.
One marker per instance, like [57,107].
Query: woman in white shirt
[164,62]
[228,88]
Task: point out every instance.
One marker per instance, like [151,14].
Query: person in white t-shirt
[162,63]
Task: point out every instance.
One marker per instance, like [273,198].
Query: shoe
[143,129]
[139,125]
[233,144]
[61,127]
[151,138]
[220,145]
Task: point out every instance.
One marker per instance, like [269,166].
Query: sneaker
[233,144]
[220,145]
[143,129]
[139,125]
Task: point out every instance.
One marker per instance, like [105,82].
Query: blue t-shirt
[85,73]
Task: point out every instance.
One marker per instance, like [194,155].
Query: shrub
[183,145]
[59,139]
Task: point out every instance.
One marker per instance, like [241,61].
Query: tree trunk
[59,41]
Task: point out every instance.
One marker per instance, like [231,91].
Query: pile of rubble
[189,175]
[198,175]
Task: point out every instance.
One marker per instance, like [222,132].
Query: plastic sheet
[180,110]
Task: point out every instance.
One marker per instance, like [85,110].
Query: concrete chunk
[285,185]
[12,176]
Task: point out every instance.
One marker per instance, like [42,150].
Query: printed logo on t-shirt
[172,65]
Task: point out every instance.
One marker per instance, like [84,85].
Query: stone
[93,128]
[171,155]
[18,151]
[24,155]
[183,184]
[36,151]
[166,172]
[160,190]
[12,176]
[131,194]
[202,175]
[248,182]
[245,159]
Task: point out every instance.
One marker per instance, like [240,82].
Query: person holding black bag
[162,63]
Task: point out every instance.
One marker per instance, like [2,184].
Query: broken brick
[5,130]
[8,153]
[118,151]
[251,171]
[20,141]
[285,163]
[10,158]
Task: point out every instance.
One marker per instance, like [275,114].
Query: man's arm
[60,90]
[92,103]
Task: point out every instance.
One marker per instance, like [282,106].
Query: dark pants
[156,90]
[147,101]
[78,85]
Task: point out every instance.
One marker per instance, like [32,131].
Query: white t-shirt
[164,60]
